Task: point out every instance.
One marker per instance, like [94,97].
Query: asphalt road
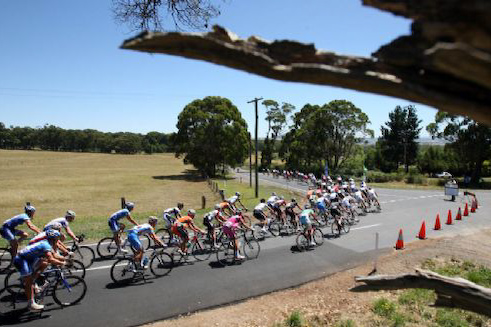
[203,285]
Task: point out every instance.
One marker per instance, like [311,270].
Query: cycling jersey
[346,201]
[172,212]
[15,221]
[279,203]
[232,199]
[35,250]
[272,199]
[62,221]
[371,194]
[231,225]
[211,215]
[260,206]
[119,214]
[184,221]
[39,237]
[138,230]
[304,217]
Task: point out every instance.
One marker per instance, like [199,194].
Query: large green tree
[470,140]
[277,117]
[324,134]
[211,132]
[398,141]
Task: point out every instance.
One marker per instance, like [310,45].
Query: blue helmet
[51,233]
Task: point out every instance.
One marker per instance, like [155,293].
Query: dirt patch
[329,300]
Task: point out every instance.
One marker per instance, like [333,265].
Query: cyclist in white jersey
[64,222]
[234,200]
[208,222]
[258,213]
[135,243]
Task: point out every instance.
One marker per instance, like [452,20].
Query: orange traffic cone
[400,241]
[466,210]
[449,218]
[473,206]
[459,215]
[422,231]
[438,226]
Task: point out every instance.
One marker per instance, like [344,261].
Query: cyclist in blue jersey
[33,259]
[135,243]
[117,227]
[9,231]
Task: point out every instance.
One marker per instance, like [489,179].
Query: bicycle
[107,248]
[6,258]
[125,270]
[198,247]
[83,253]
[73,267]
[303,242]
[66,290]
[226,251]
[340,224]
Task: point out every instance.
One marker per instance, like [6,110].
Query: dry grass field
[92,184]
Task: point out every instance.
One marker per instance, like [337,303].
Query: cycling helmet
[273,193]
[294,200]
[70,214]
[56,226]
[237,193]
[282,197]
[51,233]
[191,212]
[180,205]
[29,209]
[129,205]
[306,206]
[152,220]
[339,179]
[217,206]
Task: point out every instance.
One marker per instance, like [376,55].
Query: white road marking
[364,227]
[98,268]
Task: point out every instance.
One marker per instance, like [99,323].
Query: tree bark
[451,292]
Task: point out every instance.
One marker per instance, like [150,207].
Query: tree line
[53,138]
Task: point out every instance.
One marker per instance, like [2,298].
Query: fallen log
[451,292]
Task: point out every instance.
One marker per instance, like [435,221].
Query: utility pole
[255,142]
[250,160]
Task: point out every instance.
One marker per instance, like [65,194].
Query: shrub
[295,319]
[416,179]
[384,307]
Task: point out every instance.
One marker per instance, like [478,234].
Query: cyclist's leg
[136,246]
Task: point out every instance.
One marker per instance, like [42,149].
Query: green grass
[295,319]
[384,307]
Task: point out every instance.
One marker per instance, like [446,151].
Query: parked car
[445,174]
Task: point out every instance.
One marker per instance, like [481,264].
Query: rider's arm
[72,235]
[155,239]
[60,246]
[132,220]
[194,228]
[53,259]
[32,227]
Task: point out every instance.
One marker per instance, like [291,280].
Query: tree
[398,141]
[468,138]
[147,14]
[211,132]
[276,117]
[326,134]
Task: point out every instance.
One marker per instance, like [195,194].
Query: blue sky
[61,64]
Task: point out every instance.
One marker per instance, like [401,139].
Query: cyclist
[373,196]
[43,236]
[136,246]
[272,199]
[117,227]
[170,215]
[358,198]
[208,219]
[225,206]
[179,229]
[33,259]
[258,213]
[305,221]
[229,229]
[9,232]
[290,212]
[277,208]
[235,199]
[64,221]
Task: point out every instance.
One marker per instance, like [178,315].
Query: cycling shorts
[168,220]
[321,206]
[304,220]
[24,266]
[259,215]
[208,224]
[229,231]
[180,231]
[134,241]
[10,234]
[113,225]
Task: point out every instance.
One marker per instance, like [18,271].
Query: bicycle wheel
[75,268]
[226,254]
[318,237]
[123,271]
[12,302]
[145,241]
[69,290]
[258,232]
[274,228]
[5,259]
[163,235]
[201,251]
[12,278]
[106,248]
[161,264]
[345,226]
[251,249]
[302,242]
[85,255]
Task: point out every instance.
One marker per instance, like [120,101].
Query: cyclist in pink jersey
[230,227]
